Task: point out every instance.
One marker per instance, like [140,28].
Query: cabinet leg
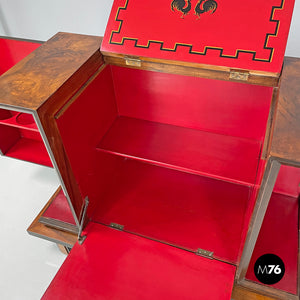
[65,250]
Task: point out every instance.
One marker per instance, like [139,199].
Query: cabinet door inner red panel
[233,33]
[116,265]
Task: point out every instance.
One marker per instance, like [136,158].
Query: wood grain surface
[286,135]
[75,58]
[192,69]
[34,79]
[241,293]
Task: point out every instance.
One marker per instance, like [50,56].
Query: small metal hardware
[134,62]
[116,226]
[236,75]
[81,238]
[205,253]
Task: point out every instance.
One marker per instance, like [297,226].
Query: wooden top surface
[249,35]
[34,79]
[286,135]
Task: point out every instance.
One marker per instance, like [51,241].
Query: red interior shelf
[111,264]
[182,209]
[30,150]
[18,120]
[279,236]
[199,152]
[20,138]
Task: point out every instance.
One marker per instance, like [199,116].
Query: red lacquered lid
[233,33]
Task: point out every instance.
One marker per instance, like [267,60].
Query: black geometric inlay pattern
[191,51]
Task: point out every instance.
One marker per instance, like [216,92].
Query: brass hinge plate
[237,75]
[116,226]
[205,253]
[133,62]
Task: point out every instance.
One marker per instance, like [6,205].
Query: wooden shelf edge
[242,293]
[192,69]
[249,290]
[57,236]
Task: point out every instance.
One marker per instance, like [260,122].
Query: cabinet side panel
[228,108]
[83,124]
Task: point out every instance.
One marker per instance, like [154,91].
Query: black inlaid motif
[182,6]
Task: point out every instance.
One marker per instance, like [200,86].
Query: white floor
[27,263]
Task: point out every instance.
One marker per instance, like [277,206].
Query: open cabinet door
[112,264]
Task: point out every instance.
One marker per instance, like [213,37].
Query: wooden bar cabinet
[167,135]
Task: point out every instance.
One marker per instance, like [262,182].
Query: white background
[41,19]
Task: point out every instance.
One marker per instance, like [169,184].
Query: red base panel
[279,236]
[182,209]
[116,265]
[30,150]
[195,151]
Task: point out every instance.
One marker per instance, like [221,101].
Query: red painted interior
[59,209]
[288,181]
[20,138]
[97,107]
[279,236]
[222,107]
[199,152]
[12,51]
[135,126]
[223,38]
[17,120]
[19,135]
[116,265]
[182,209]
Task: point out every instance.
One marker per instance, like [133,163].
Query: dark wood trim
[267,291]
[192,69]
[270,124]
[285,141]
[242,293]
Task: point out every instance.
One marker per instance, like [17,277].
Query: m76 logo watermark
[269,269]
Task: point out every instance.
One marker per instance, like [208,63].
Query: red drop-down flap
[232,33]
[112,264]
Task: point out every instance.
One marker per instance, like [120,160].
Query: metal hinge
[132,61]
[205,253]
[116,226]
[81,238]
[238,75]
